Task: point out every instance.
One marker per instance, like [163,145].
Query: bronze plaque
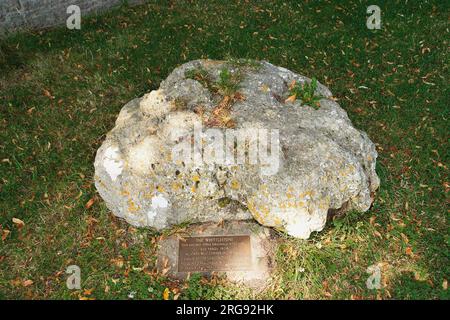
[214,253]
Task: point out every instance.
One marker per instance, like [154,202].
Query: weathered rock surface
[320,163]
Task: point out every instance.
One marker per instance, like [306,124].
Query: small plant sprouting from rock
[228,82]
[225,87]
[305,92]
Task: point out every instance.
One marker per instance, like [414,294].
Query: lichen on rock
[285,164]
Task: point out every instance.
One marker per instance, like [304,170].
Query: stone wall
[18,15]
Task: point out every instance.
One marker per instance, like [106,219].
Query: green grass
[61,90]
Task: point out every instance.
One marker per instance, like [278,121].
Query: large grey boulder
[288,166]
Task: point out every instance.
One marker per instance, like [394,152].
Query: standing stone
[318,162]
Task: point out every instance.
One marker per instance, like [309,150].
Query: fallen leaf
[291,98]
[27,283]
[118,262]
[166,294]
[444,284]
[378,234]
[19,223]
[48,94]
[408,251]
[89,203]
[404,237]
[88,292]
[5,234]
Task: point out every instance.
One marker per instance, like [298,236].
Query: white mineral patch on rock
[142,155]
[178,124]
[158,202]
[112,162]
[301,223]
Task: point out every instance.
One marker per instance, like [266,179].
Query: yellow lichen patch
[254,211]
[291,204]
[148,195]
[347,170]
[323,205]
[250,205]
[176,186]
[193,189]
[278,223]
[265,210]
[160,189]
[102,183]
[265,88]
[310,193]
[168,156]
[196,178]
[289,195]
[235,184]
[258,217]
[263,190]
[125,193]
[306,194]
[260,213]
[131,206]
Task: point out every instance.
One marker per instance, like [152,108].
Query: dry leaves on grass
[5,234]
[27,283]
[19,223]
[118,262]
[86,294]
[90,203]
[409,251]
[48,94]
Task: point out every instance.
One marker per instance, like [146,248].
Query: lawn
[61,90]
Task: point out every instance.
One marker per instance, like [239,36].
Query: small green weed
[228,82]
[306,93]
